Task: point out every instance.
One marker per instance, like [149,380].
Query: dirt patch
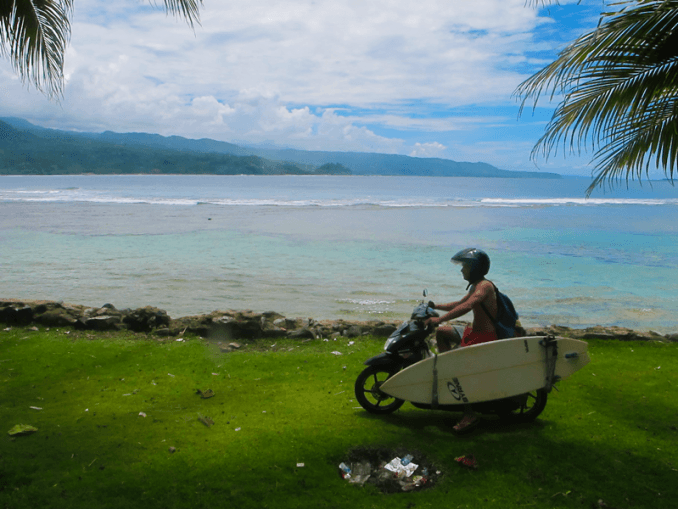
[368,465]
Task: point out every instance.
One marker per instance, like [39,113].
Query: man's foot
[467,423]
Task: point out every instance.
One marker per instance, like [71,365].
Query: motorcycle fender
[384,359]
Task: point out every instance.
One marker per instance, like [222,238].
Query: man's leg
[468,421]
[448,338]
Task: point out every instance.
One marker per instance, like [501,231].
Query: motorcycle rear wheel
[531,406]
[369,394]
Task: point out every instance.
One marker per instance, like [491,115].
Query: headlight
[390,340]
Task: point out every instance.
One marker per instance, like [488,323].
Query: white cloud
[431,149]
[313,74]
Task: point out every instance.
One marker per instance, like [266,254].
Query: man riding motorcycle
[481,299]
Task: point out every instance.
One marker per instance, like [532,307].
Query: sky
[431,78]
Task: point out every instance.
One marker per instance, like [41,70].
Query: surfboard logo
[457,392]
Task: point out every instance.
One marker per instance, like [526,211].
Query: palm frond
[34,35]
[620,92]
[188,9]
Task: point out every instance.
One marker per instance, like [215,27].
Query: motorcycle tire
[531,406]
[369,395]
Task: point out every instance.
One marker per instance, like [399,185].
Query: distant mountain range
[28,149]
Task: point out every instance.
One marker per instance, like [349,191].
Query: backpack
[505,321]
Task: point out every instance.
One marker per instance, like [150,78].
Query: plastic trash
[360,472]
[468,461]
[345,469]
[372,466]
[359,479]
[362,468]
[412,484]
[384,474]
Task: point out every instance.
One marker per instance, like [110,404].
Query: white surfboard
[494,370]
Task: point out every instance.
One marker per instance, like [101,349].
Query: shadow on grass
[444,421]
[531,458]
[562,471]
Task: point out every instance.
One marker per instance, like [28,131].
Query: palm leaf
[188,9]
[34,34]
[620,92]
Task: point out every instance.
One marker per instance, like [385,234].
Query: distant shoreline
[29,150]
[363,175]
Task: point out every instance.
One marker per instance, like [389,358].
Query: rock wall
[244,325]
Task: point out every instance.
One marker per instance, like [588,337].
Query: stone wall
[243,325]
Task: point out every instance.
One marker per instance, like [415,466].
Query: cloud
[313,74]
[365,53]
[431,149]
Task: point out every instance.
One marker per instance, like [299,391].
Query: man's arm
[460,308]
[451,305]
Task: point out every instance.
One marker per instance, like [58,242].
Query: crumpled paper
[398,468]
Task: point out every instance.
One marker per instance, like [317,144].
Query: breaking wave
[554,202]
[76,195]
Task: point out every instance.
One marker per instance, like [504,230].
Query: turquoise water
[341,247]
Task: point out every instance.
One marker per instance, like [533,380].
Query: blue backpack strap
[503,331]
[482,305]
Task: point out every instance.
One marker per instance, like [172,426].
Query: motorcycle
[407,345]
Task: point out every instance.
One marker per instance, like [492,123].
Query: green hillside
[28,149]
[49,152]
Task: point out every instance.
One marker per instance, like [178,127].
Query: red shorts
[475,338]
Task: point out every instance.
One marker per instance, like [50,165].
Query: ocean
[329,247]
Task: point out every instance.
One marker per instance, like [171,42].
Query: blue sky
[432,78]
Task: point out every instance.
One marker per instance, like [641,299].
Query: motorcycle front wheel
[531,405]
[369,394]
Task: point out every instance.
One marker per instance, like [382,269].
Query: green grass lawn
[609,434]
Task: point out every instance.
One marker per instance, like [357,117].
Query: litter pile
[389,470]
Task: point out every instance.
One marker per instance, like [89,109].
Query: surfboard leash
[434,389]
[550,345]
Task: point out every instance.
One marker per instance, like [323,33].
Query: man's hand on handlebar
[434,321]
